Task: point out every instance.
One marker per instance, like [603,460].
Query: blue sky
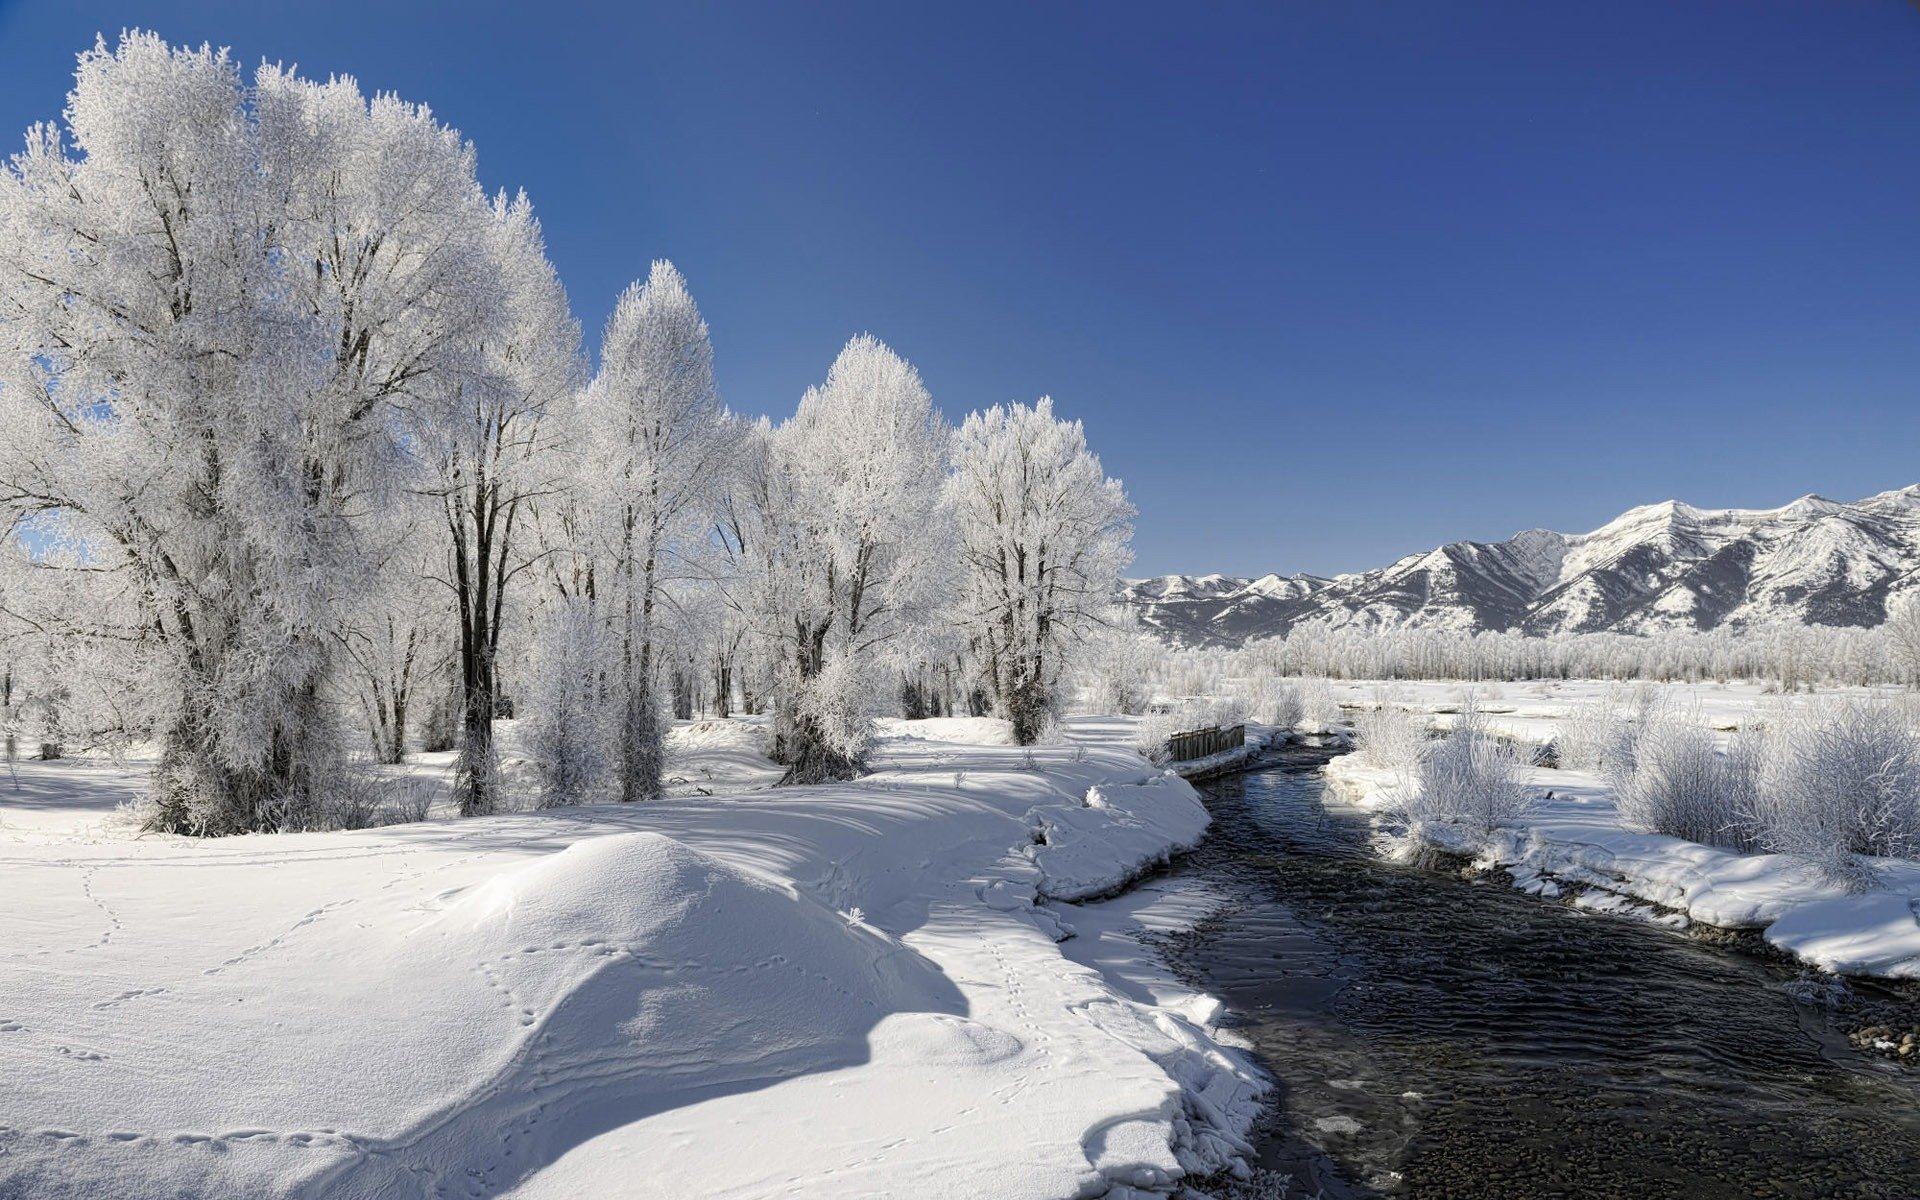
[1328,283]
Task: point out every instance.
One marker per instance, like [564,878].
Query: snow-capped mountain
[1658,567]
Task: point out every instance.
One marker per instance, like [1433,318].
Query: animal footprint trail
[279,939]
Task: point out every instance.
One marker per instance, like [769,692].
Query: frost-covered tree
[395,634]
[568,731]
[221,306]
[663,443]
[844,548]
[496,453]
[1902,631]
[1043,537]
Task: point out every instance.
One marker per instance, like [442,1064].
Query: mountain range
[1659,567]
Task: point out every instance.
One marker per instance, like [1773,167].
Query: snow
[1574,836]
[853,989]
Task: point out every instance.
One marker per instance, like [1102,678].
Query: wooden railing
[1201,743]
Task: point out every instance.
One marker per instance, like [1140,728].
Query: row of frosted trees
[1788,655]
[299,452]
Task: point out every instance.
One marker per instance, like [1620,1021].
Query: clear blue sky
[1328,282]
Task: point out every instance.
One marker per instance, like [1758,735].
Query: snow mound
[583,989]
[1118,833]
[966,731]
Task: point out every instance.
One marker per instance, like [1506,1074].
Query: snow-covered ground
[843,990]
[1573,835]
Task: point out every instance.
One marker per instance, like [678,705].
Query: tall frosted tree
[663,447]
[498,456]
[847,552]
[1043,537]
[221,306]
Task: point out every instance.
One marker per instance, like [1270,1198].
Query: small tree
[843,546]
[1043,538]
[664,444]
[1902,630]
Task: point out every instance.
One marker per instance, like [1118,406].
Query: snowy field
[853,989]
[1573,834]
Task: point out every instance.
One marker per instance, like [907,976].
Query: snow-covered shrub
[1677,781]
[1215,710]
[1389,737]
[362,799]
[1594,736]
[1840,782]
[837,709]
[1119,665]
[1151,734]
[1469,776]
[1319,711]
[568,738]
[1273,701]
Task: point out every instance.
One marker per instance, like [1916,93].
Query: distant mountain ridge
[1666,566]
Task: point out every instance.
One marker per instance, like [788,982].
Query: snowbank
[1575,836]
[845,990]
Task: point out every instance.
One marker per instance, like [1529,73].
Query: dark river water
[1435,1036]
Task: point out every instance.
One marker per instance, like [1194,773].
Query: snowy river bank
[854,989]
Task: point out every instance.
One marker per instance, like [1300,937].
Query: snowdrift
[844,990]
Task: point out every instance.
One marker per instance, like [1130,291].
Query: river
[1437,1036]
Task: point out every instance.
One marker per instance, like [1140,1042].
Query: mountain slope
[1667,566]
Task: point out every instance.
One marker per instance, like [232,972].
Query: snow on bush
[568,736]
[1593,736]
[1151,734]
[1670,776]
[1120,666]
[1839,782]
[1470,777]
[1319,711]
[1273,701]
[1390,738]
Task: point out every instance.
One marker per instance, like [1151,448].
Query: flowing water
[1436,1036]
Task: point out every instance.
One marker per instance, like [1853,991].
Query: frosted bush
[1319,711]
[837,710]
[568,738]
[1277,703]
[1470,777]
[1151,734]
[361,799]
[1594,737]
[1839,783]
[1219,710]
[1120,672]
[1678,782]
[1389,737]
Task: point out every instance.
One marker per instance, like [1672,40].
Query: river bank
[598,1001]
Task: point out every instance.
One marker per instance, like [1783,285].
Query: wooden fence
[1200,743]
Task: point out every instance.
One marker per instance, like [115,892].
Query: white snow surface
[844,990]
[1577,837]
